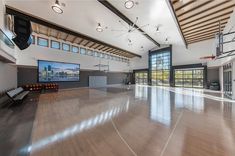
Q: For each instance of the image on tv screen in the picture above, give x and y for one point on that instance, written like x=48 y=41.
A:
x=49 y=71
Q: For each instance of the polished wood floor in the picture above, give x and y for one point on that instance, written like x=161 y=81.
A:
x=133 y=121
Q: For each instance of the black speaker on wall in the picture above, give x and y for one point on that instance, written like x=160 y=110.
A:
x=23 y=31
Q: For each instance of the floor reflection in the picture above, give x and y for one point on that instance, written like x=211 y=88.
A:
x=160 y=106
x=141 y=92
x=80 y=127
x=189 y=101
x=151 y=120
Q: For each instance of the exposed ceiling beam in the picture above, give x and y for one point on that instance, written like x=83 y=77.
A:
x=126 y=19
x=17 y=12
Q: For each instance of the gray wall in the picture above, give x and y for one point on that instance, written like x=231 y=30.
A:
x=213 y=74
x=8 y=76
x=28 y=75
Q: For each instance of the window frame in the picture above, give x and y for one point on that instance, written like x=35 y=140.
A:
x=66 y=44
x=38 y=39
x=54 y=47
x=73 y=46
x=81 y=48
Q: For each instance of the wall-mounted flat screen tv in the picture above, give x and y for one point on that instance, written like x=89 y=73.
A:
x=50 y=71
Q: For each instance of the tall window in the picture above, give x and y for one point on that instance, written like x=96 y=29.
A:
x=191 y=78
x=160 y=67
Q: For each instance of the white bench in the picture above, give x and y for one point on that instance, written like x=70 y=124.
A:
x=17 y=95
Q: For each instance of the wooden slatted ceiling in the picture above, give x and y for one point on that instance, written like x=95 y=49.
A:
x=40 y=29
x=199 y=19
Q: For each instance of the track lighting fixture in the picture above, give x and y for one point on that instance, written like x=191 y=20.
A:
x=99 y=28
x=157 y=30
x=166 y=40
x=57 y=7
x=129 y=4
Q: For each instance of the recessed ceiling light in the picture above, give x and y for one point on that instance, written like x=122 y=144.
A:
x=99 y=28
x=129 y=4
x=57 y=8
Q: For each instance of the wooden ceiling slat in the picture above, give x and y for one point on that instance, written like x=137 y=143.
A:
x=204 y=31
x=206 y=10
x=195 y=8
x=80 y=42
x=92 y=45
x=205 y=20
x=58 y=35
x=101 y=49
x=105 y=48
x=203 y=34
x=200 y=20
x=111 y=50
x=196 y=26
x=74 y=39
x=66 y=38
x=49 y=32
x=204 y=28
x=202 y=39
x=199 y=37
x=102 y=46
x=86 y=43
x=108 y=50
x=175 y=1
x=98 y=47
x=185 y=4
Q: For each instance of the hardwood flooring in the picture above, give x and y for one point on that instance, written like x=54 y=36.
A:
x=133 y=121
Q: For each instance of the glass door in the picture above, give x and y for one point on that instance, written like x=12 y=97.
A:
x=141 y=77
x=189 y=78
